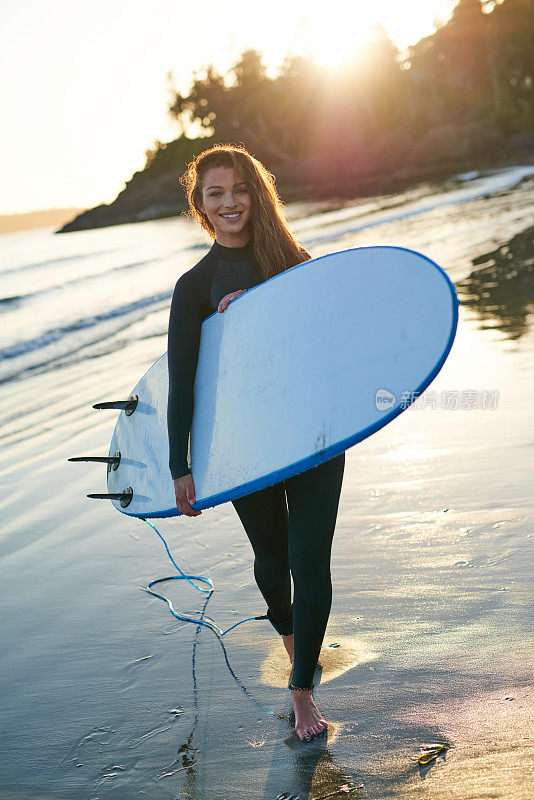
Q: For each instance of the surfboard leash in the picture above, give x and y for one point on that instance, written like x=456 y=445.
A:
x=209 y=623
x=189 y=578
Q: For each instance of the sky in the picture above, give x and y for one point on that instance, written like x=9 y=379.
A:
x=84 y=85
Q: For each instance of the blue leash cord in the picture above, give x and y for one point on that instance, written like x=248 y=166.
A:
x=208 y=624
x=189 y=578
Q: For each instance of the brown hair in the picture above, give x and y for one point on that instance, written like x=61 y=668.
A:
x=274 y=246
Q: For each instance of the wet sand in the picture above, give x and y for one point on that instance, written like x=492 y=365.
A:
x=105 y=695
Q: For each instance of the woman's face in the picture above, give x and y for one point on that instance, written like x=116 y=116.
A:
x=227 y=204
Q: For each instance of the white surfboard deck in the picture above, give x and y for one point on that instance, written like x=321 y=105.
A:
x=296 y=370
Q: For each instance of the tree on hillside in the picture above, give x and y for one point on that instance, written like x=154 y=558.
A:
x=478 y=66
x=451 y=69
x=206 y=94
x=511 y=34
x=235 y=107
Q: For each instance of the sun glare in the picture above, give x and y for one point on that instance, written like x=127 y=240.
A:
x=334 y=45
x=336 y=36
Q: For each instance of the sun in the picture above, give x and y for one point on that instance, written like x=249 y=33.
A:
x=336 y=33
x=334 y=45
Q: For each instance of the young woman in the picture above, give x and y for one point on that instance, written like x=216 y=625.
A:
x=290 y=525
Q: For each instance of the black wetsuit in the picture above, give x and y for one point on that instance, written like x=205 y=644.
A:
x=290 y=525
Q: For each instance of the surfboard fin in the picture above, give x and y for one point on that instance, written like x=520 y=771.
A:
x=128 y=406
x=124 y=497
x=112 y=461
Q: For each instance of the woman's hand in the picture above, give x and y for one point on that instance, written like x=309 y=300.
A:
x=223 y=305
x=184 y=489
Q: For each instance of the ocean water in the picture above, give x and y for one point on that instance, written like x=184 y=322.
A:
x=105 y=694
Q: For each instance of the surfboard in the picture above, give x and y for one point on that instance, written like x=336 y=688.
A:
x=296 y=370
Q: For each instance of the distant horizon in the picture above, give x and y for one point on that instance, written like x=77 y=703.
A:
x=37 y=218
x=43 y=210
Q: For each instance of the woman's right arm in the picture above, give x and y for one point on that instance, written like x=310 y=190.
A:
x=185 y=321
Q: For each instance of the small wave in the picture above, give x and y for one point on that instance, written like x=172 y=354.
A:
x=52 y=261
x=98 y=276
x=5 y=302
x=474 y=189
x=22 y=348
x=96 y=254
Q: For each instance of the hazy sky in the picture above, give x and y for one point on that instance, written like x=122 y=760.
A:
x=83 y=84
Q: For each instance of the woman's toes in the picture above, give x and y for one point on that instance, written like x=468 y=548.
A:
x=305 y=733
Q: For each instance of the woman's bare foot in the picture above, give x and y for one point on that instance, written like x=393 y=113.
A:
x=309 y=721
x=289 y=644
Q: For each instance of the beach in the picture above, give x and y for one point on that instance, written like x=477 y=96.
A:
x=430 y=637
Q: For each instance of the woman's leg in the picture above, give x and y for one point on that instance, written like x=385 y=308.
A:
x=265 y=520
x=313 y=500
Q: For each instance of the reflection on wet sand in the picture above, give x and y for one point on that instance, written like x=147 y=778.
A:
x=501 y=289
x=317 y=775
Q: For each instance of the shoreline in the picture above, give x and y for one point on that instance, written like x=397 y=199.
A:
x=145 y=199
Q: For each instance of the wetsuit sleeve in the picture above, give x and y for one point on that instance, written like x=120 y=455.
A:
x=185 y=321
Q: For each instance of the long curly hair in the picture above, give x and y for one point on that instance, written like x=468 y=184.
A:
x=274 y=246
